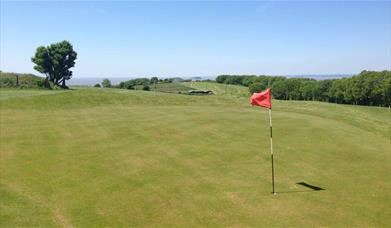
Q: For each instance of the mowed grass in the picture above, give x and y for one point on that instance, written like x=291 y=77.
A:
x=7 y=93
x=110 y=157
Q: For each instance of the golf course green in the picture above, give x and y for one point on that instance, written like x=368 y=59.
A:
x=91 y=157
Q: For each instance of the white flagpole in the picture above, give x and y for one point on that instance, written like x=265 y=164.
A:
x=271 y=148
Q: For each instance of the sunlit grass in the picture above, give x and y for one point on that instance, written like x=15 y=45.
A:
x=111 y=157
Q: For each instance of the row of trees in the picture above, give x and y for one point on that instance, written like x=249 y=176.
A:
x=366 y=88
x=247 y=80
x=146 y=82
x=137 y=83
x=131 y=84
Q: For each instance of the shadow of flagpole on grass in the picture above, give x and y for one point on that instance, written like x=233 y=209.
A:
x=313 y=188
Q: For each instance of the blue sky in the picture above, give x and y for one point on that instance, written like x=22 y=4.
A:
x=182 y=38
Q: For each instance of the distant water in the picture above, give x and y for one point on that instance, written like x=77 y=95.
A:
x=92 y=81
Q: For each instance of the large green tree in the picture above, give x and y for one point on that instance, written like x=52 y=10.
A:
x=55 y=62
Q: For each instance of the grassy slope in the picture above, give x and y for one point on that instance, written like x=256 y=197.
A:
x=25 y=80
x=167 y=87
x=107 y=157
x=220 y=89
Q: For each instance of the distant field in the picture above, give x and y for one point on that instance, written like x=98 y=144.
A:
x=220 y=89
x=114 y=157
x=168 y=87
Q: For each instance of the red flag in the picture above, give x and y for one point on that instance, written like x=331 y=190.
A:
x=261 y=99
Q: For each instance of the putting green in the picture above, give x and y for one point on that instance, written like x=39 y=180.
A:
x=110 y=157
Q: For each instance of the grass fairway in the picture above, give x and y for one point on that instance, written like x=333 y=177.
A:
x=110 y=157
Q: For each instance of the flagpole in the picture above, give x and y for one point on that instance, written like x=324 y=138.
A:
x=263 y=99
x=271 y=148
x=271 y=140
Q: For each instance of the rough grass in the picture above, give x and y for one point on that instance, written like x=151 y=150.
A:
x=168 y=87
x=110 y=157
x=220 y=89
x=8 y=80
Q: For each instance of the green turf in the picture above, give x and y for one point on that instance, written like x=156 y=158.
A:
x=111 y=157
x=7 y=93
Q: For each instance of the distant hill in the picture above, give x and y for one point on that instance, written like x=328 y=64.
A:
x=11 y=80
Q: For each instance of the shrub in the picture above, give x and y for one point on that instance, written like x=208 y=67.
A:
x=43 y=83
x=106 y=83
x=9 y=79
x=97 y=85
x=7 y=82
x=256 y=87
x=146 y=88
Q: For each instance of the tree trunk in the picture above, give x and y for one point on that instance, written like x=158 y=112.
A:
x=47 y=84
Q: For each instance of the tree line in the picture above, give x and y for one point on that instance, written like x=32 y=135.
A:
x=139 y=83
x=366 y=88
